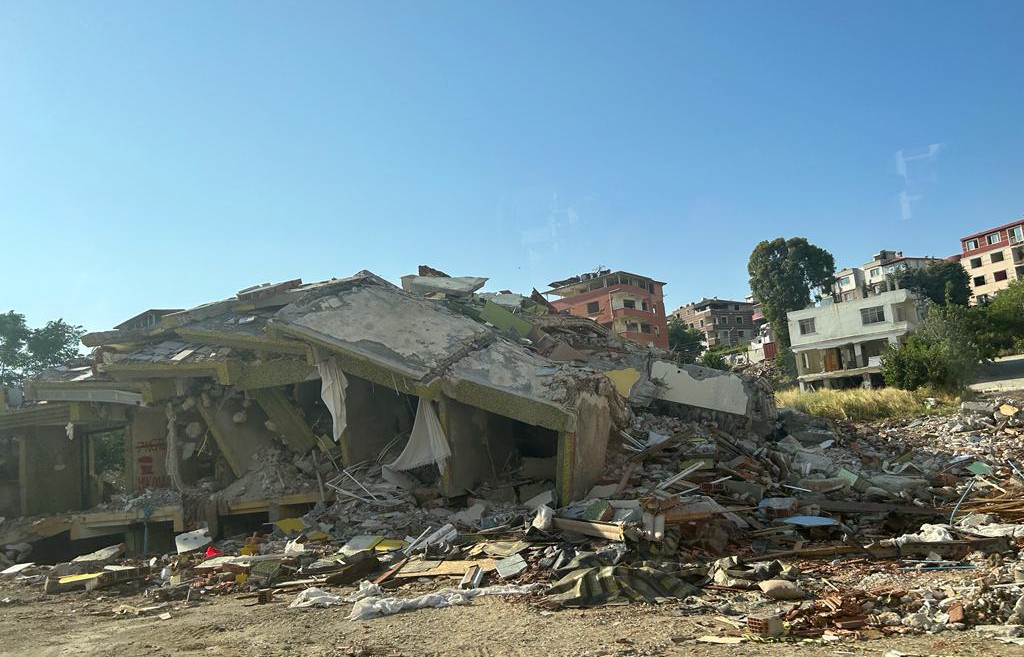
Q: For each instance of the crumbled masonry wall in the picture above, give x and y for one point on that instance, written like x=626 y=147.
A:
x=481 y=444
x=237 y=442
x=146 y=449
x=51 y=471
x=737 y=403
x=701 y=386
x=589 y=446
x=374 y=414
x=286 y=417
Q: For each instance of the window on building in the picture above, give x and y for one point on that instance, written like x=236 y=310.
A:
x=872 y=315
x=970 y=245
x=724 y=319
x=739 y=319
x=982 y=299
x=992 y=238
x=806 y=326
x=633 y=328
x=848 y=296
x=844 y=281
x=741 y=333
x=593 y=307
x=975 y=263
x=628 y=303
x=702 y=323
x=997 y=256
x=645 y=328
x=1016 y=234
x=875 y=273
x=644 y=306
x=999 y=276
x=979 y=281
x=735 y=306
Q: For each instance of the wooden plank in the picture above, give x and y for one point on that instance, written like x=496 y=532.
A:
x=607 y=530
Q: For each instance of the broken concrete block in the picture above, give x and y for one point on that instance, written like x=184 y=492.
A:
x=808 y=462
x=977 y=408
x=896 y=484
x=823 y=485
x=469 y=517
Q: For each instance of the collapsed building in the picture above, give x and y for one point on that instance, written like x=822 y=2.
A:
x=263 y=405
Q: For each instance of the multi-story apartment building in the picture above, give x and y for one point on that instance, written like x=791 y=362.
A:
x=723 y=322
x=839 y=345
x=993 y=259
x=876 y=275
x=630 y=305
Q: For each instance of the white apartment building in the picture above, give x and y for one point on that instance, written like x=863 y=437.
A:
x=839 y=345
x=875 y=276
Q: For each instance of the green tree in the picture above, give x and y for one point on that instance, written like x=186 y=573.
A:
x=1005 y=315
x=939 y=282
x=782 y=275
x=25 y=351
x=13 y=335
x=944 y=351
x=685 y=341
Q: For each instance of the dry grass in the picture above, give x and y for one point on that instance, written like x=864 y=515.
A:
x=864 y=405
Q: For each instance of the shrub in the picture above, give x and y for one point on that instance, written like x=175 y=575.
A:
x=714 y=360
x=943 y=352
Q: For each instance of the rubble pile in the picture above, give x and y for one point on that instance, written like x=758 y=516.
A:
x=990 y=429
x=811 y=530
x=275 y=472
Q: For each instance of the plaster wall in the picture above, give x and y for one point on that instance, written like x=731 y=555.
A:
x=701 y=386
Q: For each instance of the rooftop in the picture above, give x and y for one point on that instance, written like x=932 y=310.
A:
x=982 y=233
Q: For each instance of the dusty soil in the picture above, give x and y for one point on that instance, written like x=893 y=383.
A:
x=84 y=624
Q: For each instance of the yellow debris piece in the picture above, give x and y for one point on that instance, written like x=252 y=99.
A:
x=290 y=525
x=67 y=579
x=623 y=380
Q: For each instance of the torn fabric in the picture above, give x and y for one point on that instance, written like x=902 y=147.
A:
x=374 y=604
x=427 y=442
x=332 y=391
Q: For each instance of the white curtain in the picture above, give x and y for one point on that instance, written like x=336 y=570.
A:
x=427 y=442
x=332 y=391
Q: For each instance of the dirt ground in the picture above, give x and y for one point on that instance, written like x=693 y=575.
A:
x=32 y=623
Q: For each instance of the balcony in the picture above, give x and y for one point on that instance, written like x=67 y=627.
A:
x=637 y=336
x=633 y=312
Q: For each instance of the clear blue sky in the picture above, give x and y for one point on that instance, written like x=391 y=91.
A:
x=157 y=154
